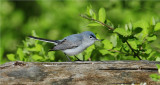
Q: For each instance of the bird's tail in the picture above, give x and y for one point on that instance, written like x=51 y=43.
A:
x=45 y=40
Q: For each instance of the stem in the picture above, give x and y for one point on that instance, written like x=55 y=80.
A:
x=135 y=54
x=110 y=28
x=103 y=24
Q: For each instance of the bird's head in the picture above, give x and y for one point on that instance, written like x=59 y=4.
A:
x=89 y=37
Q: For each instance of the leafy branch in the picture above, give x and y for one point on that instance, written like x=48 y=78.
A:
x=136 y=54
x=103 y=24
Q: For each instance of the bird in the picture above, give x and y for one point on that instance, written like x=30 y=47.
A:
x=72 y=44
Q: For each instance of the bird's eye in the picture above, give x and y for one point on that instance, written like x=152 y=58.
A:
x=90 y=37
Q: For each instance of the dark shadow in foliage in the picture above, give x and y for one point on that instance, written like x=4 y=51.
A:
x=137 y=30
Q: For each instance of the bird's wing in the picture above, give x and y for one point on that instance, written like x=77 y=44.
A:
x=69 y=43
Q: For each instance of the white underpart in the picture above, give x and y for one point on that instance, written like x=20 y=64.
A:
x=73 y=51
x=77 y=50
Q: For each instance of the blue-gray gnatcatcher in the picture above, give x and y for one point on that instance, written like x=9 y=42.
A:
x=73 y=44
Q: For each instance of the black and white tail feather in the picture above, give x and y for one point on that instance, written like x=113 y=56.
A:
x=45 y=40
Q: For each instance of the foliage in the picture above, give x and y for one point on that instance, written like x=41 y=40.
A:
x=56 y=19
x=133 y=40
x=32 y=51
x=156 y=77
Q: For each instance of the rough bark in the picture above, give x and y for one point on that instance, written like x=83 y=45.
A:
x=78 y=73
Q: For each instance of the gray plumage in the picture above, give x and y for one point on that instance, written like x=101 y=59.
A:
x=73 y=44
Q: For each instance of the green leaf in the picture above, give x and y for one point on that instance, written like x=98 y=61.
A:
x=144 y=25
x=11 y=57
x=98 y=37
x=37 y=57
x=102 y=14
x=140 y=37
x=151 y=38
x=152 y=22
x=158 y=58
x=90 y=48
x=88 y=9
x=88 y=51
x=122 y=32
x=34 y=33
x=158 y=66
x=37 y=48
x=151 y=55
x=157 y=27
x=98 y=43
x=107 y=44
x=90 y=12
x=130 y=26
x=148 y=51
x=104 y=51
x=20 y=54
x=107 y=52
x=155 y=77
x=51 y=55
x=94 y=24
x=133 y=44
x=119 y=43
x=126 y=27
x=80 y=56
x=114 y=39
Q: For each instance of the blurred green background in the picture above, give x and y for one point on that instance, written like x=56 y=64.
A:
x=55 y=19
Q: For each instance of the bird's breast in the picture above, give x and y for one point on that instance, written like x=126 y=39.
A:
x=74 y=51
x=77 y=50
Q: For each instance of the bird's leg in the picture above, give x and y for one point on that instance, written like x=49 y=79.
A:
x=68 y=58
x=78 y=58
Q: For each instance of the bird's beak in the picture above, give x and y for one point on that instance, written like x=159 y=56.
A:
x=98 y=40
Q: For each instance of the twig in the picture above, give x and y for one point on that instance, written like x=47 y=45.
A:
x=103 y=24
x=135 y=54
